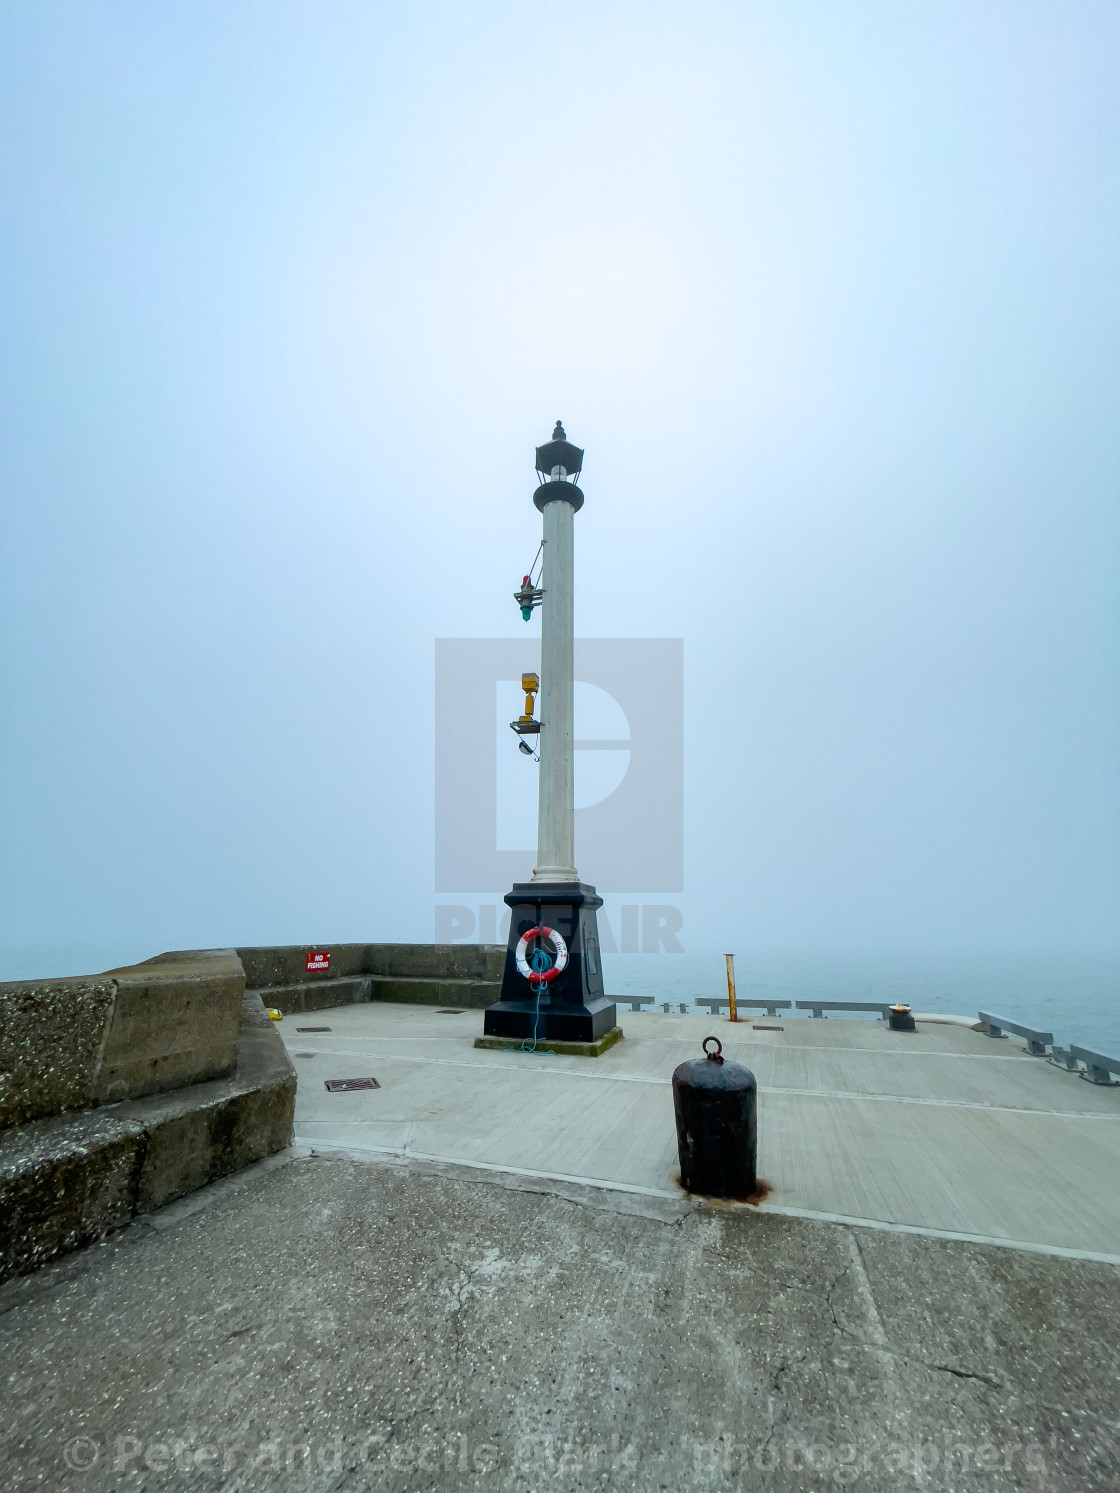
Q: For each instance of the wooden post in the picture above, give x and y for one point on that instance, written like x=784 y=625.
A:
x=731 y=1015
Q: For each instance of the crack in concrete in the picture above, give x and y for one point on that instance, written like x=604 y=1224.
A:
x=777 y=1416
x=944 y=1368
x=880 y=1344
x=832 y=1285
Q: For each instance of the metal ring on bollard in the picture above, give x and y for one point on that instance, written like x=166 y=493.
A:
x=717 y=1056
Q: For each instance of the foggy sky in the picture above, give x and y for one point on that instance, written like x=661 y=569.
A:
x=828 y=293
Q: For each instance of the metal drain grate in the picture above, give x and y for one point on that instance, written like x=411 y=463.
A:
x=345 y=1085
x=312 y=1028
x=447 y=1011
x=768 y=1028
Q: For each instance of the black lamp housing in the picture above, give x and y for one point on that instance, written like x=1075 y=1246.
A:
x=559 y=452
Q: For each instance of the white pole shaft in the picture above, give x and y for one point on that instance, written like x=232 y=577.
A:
x=556 y=814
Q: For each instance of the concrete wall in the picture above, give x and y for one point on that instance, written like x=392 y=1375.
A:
x=439 y=961
x=52 y=1033
x=120 y=1092
x=175 y=1022
x=287 y=964
x=73 y=1179
x=266 y=967
x=74 y=1044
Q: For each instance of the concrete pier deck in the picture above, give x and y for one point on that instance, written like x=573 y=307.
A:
x=944 y=1130
x=482 y=1275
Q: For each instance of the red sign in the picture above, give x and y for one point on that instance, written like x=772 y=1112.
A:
x=317 y=959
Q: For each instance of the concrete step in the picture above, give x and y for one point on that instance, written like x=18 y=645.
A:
x=320 y=995
x=411 y=989
x=67 y=1181
x=315 y=995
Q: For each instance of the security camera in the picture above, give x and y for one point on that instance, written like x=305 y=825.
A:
x=523 y=746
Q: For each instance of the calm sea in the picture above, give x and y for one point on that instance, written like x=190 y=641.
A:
x=1077 y=997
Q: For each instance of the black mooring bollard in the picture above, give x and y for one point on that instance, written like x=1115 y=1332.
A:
x=715 y=1103
x=900 y=1018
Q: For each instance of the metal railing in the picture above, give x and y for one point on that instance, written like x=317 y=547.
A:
x=718 y=1003
x=1097 y=1067
x=818 y=1008
x=1037 y=1042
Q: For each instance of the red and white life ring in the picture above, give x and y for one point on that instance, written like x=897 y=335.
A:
x=559 y=963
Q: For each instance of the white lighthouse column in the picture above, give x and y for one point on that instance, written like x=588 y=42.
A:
x=556 y=798
x=552 y=917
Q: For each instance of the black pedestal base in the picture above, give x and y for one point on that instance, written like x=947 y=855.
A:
x=552 y=1044
x=571 y=1008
